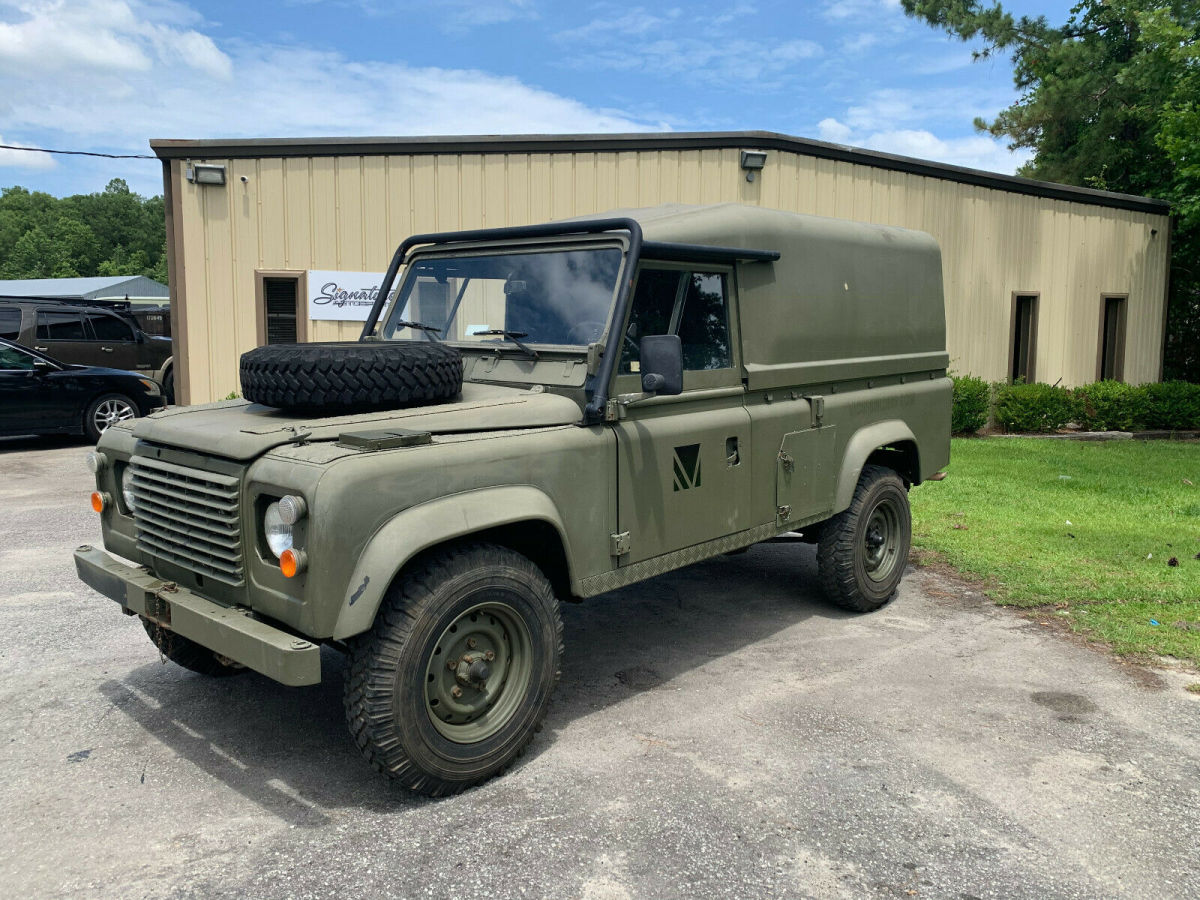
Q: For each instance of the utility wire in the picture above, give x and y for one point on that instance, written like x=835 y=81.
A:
x=78 y=152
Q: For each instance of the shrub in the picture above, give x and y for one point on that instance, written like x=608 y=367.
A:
x=969 y=411
x=1172 y=405
x=1112 y=406
x=1034 y=407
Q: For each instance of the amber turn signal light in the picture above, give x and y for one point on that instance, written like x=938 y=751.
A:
x=292 y=562
x=100 y=501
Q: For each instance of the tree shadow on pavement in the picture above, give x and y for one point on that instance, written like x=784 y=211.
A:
x=287 y=749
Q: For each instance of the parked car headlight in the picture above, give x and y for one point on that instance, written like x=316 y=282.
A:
x=277 y=532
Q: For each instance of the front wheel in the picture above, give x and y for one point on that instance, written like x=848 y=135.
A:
x=863 y=549
x=455 y=678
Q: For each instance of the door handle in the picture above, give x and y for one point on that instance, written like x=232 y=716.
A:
x=107 y=349
x=40 y=349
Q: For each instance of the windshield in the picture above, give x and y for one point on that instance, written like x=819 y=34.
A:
x=537 y=297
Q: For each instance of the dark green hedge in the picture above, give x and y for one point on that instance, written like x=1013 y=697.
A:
x=1103 y=406
x=1034 y=407
x=972 y=397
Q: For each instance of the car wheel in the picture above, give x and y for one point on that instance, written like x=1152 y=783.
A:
x=168 y=386
x=188 y=653
x=455 y=678
x=863 y=550
x=105 y=411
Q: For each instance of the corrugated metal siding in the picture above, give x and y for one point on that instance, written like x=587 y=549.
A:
x=350 y=212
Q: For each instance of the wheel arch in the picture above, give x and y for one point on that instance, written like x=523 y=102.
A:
x=891 y=444
x=520 y=517
x=167 y=366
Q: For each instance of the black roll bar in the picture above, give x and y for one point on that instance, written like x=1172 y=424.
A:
x=597 y=386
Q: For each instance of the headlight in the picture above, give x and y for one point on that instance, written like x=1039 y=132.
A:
x=127 y=493
x=96 y=461
x=278 y=532
x=152 y=387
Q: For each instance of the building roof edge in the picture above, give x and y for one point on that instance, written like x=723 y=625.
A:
x=168 y=149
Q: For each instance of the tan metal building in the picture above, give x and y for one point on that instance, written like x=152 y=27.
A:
x=1043 y=281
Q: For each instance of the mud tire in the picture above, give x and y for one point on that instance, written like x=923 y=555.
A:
x=391 y=669
x=188 y=653
x=853 y=575
x=351 y=375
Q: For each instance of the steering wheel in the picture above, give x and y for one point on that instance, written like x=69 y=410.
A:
x=585 y=332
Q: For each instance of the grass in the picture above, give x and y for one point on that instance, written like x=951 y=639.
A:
x=1086 y=530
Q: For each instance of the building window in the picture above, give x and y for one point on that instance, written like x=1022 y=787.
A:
x=279 y=309
x=1024 y=338
x=1112 y=339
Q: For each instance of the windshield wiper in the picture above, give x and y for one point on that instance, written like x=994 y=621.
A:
x=514 y=336
x=428 y=329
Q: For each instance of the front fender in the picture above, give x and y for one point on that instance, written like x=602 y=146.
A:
x=161 y=374
x=864 y=442
x=421 y=527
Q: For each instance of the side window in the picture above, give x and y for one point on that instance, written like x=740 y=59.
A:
x=10 y=323
x=11 y=358
x=704 y=323
x=60 y=326
x=690 y=304
x=109 y=328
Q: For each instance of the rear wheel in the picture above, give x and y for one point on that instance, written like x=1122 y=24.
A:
x=106 y=411
x=863 y=549
x=188 y=653
x=455 y=678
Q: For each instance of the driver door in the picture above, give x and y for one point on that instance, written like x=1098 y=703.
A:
x=683 y=462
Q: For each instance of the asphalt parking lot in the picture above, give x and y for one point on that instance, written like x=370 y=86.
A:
x=718 y=732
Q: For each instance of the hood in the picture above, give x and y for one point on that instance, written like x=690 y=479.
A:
x=241 y=430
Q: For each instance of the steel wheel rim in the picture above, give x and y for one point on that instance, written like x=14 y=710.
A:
x=881 y=542
x=477 y=713
x=110 y=412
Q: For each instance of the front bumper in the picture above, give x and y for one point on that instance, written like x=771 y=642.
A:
x=229 y=631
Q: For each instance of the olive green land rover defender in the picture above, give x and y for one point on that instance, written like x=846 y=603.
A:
x=532 y=414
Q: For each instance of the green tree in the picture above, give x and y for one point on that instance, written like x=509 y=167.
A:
x=113 y=232
x=1109 y=99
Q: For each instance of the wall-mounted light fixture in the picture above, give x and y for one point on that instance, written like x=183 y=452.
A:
x=752 y=161
x=201 y=173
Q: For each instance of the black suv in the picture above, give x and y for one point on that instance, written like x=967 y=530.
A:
x=88 y=336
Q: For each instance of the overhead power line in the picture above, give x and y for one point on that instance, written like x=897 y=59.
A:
x=79 y=152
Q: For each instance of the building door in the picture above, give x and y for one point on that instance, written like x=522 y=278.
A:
x=683 y=463
x=1112 y=340
x=1024 y=339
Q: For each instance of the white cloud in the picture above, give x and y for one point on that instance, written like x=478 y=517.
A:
x=103 y=35
x=856 y=44
x=865 y=10
x=974 y=152
x=23 y=159
x=170 y=80
x=669 y=44
x=833 y=131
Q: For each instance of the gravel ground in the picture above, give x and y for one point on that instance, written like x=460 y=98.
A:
x=718 y=732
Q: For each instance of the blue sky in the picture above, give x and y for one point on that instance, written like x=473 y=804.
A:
x=108 y=75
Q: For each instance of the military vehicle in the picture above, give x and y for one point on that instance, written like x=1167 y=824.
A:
x=534 y=414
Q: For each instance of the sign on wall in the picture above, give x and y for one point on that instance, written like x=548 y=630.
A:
x=342 y=296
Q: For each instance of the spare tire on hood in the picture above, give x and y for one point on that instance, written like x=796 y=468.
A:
x=351 y=375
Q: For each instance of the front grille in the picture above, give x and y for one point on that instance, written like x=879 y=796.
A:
x=188 y=517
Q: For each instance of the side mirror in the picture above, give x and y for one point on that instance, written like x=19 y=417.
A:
x=41 y=367
x=662 y=364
